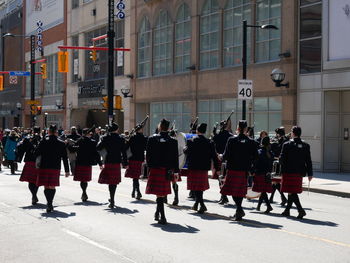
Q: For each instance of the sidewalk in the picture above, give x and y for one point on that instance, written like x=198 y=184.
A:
x=337 y=184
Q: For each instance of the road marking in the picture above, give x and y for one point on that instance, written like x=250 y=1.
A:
x=93 y=243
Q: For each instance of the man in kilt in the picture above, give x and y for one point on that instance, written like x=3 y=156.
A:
x=115 y=148
x=137 y=145
x=200 y=152
x=29 y=173
x=220 y=141
x=87 y=156
x=51 y=151
x=163 y=160
x=240 y=153
x=296 y=162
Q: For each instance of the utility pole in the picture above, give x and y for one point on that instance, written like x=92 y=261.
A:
x=110 y=82
x=32 y=76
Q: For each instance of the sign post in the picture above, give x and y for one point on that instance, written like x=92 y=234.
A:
x=32 y=75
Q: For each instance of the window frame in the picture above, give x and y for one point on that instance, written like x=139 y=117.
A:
x=148 y=47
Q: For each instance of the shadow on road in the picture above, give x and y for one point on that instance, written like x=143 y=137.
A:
x=121 y=210
x=142 y=202
x=176 y=228
x=256 y=224
x=209 y=216
x=90 y=203
x=314 y=222
x=58 y=214
x=37 y=206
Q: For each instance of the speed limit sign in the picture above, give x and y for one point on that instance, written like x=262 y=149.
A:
x=245 y=89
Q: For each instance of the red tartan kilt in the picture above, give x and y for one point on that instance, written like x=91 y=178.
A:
x=48 y=177
x=276 y=180
x=260 y=185
x=134 y=169
x=82 y=173
x=29 y=173
x=235 y=184
x=292 y=183
x=110 y=174
x=157 y=183
x=184 y=172
x=215 y=176
x=197 y=180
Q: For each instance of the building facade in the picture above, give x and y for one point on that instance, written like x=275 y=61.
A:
x=324 y=81
x=188 y=54
x=87 y=78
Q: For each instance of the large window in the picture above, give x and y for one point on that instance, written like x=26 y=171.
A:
x=235 y=12
x=54 y=81
x=310 y=36
x=268 y=42
x=210 y=35
x=162 y=45
x=183 y=39
x=179 y=113
x=119 y=43
x=144 y=49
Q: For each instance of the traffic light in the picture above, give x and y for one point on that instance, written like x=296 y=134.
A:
x=63 y=61
x=93 y=55
x=1 y=83
x=105 y=102
x=118 y=102
x=38 y=110
x=33 y=109
x=43 y=68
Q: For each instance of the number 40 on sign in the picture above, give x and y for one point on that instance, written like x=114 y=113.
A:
x=245 y=89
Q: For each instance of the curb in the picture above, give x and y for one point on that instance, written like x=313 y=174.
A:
x=328 y=192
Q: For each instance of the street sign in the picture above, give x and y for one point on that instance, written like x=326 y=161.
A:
x=245 y=89
x=20 y=73
x=13 y=80
x=33 y=102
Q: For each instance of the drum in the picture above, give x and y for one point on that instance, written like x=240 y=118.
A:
x=144 y=171
x=181 y=140
x=276 y=172
x=251 y=194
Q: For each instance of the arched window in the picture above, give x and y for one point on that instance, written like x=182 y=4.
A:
x=183 y=39
x=268 y=42
x=162 y=45
x=144 y=49
x=235 y=12
x=210 y=35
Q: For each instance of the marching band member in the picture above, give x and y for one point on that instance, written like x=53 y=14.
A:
x=51 y=151
x=296 y=163
x=163 y=160
x=200 y=151
x=87 y=155
x=29 y=173
x=240 y=153
x=137 y=144
x=263 y=168
x=115 y=147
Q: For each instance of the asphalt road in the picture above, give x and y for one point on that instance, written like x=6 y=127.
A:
x=77 y=232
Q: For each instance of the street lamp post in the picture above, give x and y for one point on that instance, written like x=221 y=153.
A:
x=111 y=35
x=244 y=56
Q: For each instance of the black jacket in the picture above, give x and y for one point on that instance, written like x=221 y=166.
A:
x=220 y=140
x=115 y=147
x=74 y=136
x=296 y=157
x=27 y=147
x=200 y=151
x=137 y=144
x=276 y=146
x=52 y=150
x=162 y=152
x=86 y=151
x=264 y=163
x=240 y=153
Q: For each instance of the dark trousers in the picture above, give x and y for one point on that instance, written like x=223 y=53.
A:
x=12 y=165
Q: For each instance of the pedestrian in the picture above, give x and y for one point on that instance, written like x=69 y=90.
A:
x=200 y=152
x=10 y=150
x=296 y=163
x=51 y=151
x=86 y=157
x=262 y=174
x=115 y=148
x=163 y=161
x=136 y=146
x=29 y=174
x=240 y=153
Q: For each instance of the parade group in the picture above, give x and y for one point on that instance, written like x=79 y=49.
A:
x=236 y=160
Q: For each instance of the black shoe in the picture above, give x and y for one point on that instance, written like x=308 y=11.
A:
x=286 y=213
x=165 y=200
x=139 y=195
x=34 y=200
x=176 y=201
x=302 y=213
x=237 y=217
x=223 y=200
x=156 y=216
x=133 y=194
x=258 y=208
x=162 y=221
x=84 y=197
x=49 y=209
x=195 y=207
x=202 y=209
x=268 y=210
x=111 y=204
